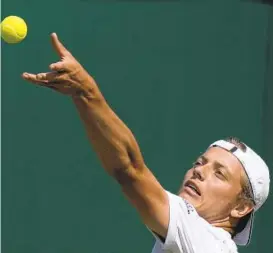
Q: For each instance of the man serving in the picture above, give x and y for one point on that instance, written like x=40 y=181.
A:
x=215 y=206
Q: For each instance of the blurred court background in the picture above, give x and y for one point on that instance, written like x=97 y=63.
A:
x=181 y=74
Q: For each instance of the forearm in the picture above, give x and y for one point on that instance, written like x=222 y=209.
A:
x=111 y=139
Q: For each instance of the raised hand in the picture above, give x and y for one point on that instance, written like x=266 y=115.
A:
x=66 y=76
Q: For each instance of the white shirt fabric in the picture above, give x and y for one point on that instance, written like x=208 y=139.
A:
x=189 y=233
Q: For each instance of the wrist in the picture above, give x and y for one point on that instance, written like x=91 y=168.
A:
x=88 y=91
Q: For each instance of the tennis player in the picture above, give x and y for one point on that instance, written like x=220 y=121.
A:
x=214 y=209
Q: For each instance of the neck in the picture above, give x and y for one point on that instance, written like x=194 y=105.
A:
x=224 y=224
x=226 y=227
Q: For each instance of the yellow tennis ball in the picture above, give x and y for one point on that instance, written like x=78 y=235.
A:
x=13 y=29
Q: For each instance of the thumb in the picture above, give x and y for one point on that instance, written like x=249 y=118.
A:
x=58 y=46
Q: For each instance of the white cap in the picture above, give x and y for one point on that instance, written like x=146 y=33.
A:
x=258 y=175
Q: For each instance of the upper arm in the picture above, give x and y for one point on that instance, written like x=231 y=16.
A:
x=148 y=197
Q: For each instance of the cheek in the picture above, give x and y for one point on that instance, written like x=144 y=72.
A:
x=220 y=198
x=220 y=190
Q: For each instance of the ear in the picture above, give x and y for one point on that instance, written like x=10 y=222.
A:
x=241 y=209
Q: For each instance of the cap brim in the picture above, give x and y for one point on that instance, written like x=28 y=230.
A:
x=243 y=238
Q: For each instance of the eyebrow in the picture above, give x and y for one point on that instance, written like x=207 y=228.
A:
x=203 y=158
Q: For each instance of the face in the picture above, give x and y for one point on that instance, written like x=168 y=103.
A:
x=213 y=184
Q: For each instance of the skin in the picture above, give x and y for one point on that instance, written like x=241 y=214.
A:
x=218 y=175
x=120 y=155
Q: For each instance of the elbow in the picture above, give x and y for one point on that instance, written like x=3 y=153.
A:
x=127 y=164
x=129 y=172
x=125 y=176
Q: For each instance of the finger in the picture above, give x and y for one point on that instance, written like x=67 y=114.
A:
x=42 y=78
x=43 y=83
x=53 y=86
x=49 y=76
x=58 y=66
x=33 y=78
x=58 y=46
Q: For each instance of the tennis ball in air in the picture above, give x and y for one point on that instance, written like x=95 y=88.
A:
x=13 y=29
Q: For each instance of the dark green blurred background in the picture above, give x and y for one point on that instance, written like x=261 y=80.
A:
x=181 y=74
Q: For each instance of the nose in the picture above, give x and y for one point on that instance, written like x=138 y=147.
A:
x=198 y=173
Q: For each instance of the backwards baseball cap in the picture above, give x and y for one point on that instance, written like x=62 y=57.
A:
x=259 y=178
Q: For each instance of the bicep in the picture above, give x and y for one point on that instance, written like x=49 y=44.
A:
x=146 y=194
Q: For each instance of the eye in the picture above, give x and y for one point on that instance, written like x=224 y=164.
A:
x=197 y=163
x=220 y=174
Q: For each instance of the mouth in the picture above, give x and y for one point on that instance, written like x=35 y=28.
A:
x=191 y=186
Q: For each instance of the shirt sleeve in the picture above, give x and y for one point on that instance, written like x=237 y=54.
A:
x=183 y=229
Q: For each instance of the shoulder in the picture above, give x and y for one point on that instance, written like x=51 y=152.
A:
x=191 y=233
x=220 y=240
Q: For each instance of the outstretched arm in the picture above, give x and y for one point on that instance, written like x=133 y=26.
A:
x=119 y=153
x=111 y=139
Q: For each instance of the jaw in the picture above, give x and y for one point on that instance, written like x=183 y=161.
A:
x=205 y=209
